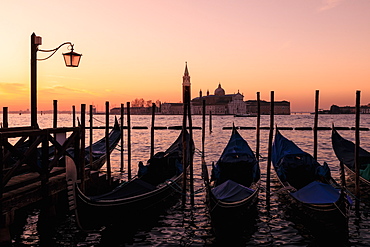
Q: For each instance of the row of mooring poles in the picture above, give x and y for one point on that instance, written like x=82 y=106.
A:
x=107 y=127
x=357 y=148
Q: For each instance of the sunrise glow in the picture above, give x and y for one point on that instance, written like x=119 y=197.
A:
x=138 y=49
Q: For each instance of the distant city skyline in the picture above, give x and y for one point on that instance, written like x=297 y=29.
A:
x=137 y=49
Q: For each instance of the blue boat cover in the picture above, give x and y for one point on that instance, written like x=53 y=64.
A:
x=230 y=191
x=317 y=193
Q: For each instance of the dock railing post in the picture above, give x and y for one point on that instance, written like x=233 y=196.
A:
x=74 y=116
x=55 y=113
x=5 y=118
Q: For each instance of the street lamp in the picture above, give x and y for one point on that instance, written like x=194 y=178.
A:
x=71 y=59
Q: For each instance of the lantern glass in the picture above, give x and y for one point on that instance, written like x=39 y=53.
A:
x=72 y=59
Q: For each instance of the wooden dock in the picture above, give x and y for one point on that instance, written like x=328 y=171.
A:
x=28 y=175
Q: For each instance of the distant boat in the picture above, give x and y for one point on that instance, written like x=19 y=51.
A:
x=245 y=115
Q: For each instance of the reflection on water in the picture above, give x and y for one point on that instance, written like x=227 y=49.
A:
x=281 y=225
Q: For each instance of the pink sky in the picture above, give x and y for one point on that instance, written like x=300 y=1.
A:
x=138 y=49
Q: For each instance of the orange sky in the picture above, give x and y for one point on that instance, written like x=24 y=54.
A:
x=138 y=49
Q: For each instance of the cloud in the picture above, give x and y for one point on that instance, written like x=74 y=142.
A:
x=13 y=88
x=62 y=90
x=329 y=4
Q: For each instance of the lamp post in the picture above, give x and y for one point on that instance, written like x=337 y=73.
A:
x=71 y=59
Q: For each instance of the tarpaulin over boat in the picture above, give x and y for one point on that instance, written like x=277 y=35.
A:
x=345 y=151
x=317 y=193
x=231 y=191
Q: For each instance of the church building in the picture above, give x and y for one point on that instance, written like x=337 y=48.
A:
x=220 y=103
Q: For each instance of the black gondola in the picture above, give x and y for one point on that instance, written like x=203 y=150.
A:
x=345 y=152
x=99 y=154
x=234 y=186
x=309 y=185
x=155 y=182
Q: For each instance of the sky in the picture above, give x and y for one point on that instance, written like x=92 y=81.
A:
x=138 y=49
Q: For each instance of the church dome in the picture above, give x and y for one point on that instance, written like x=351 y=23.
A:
x=219 y=91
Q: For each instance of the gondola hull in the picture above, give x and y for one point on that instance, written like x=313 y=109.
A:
x=92 y=215
x=155 y=186
x=345 y=152
x=233 y=194
x=306 y=184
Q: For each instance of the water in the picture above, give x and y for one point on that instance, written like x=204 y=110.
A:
x=191 y=227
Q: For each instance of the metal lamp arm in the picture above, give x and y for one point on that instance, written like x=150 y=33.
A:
x=54 y=50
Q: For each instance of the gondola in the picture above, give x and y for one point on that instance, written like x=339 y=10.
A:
x=99 y=154
x=233 y=190
x=310 y=185
x=345 y=152
x=155 y=183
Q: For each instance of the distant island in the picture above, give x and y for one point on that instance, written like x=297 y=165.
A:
x=334 y=109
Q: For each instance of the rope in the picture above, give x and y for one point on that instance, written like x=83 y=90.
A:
x=178 y=188
x=98 y=120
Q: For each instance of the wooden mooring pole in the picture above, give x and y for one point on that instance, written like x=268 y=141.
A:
x=203 y=127
x=91 y=136
x=55 y=113
x=107 y=153
x=316 y=124
x=5 y=117
x=74 y=116
x=210 y=121
x=258 y=126
x=82 y=149
x=272 y=105
x=184 y=158
x=128 y=141
x=191 y=170
x=357 y=149
x=122 y=141
x=152 y=132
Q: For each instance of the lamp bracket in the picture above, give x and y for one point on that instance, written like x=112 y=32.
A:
x=55 y=50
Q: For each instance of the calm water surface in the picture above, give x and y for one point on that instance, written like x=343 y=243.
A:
x=191 y=227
